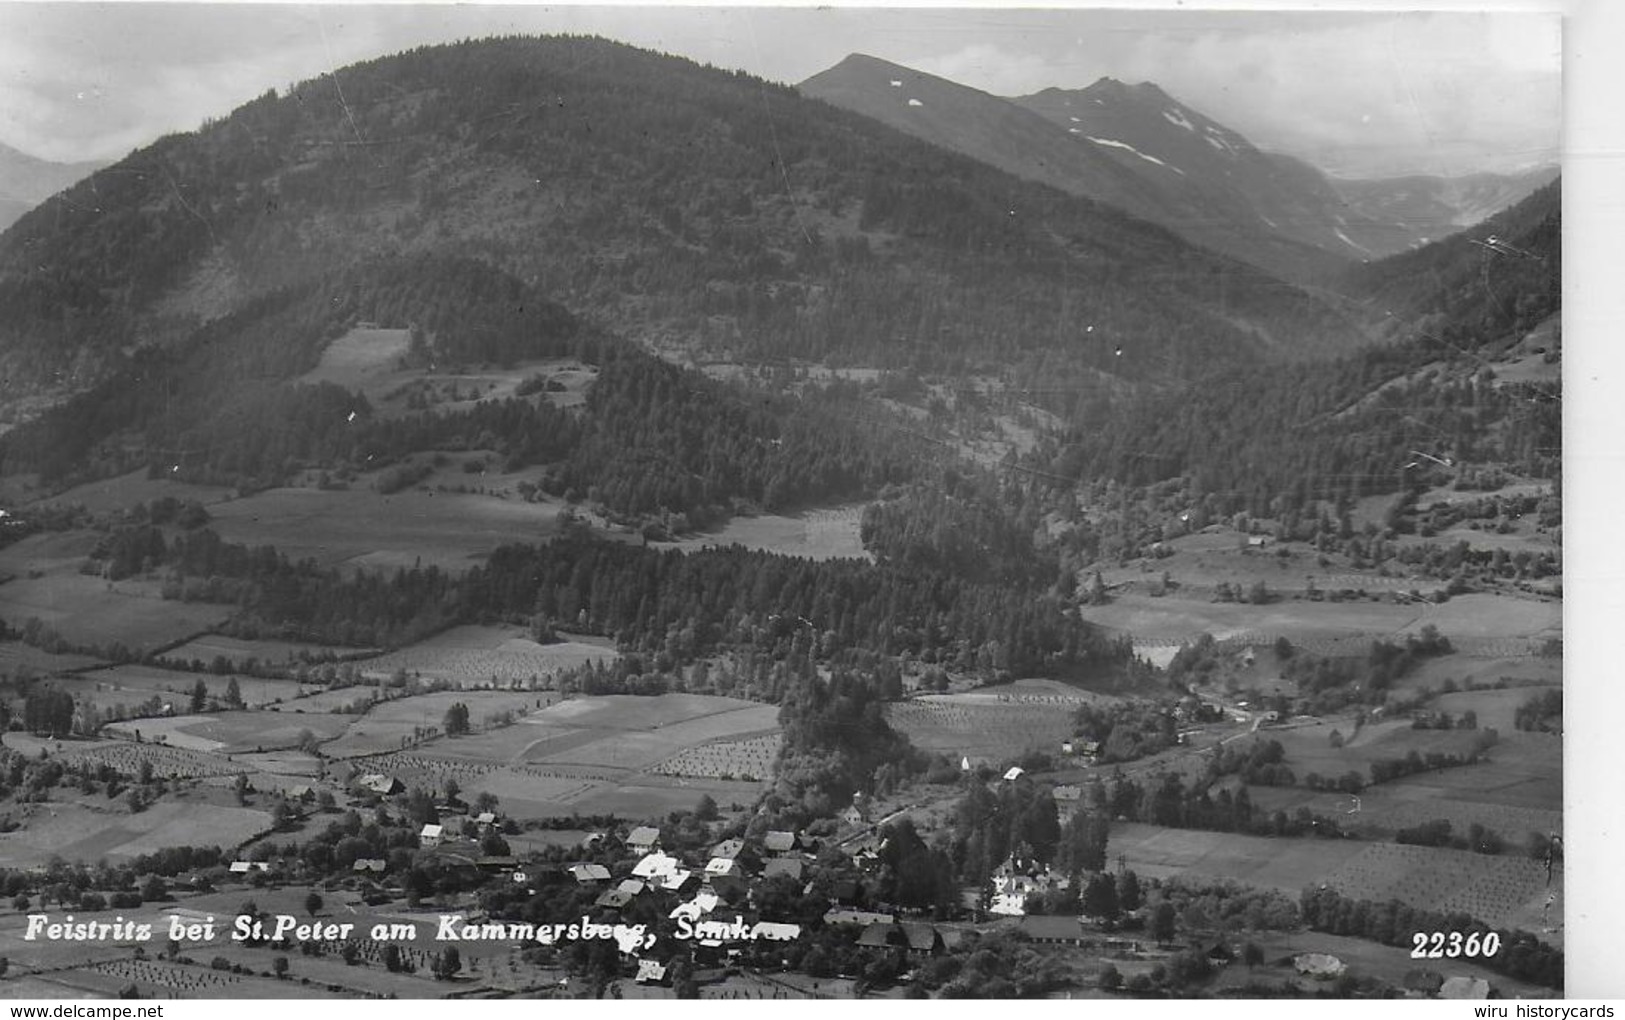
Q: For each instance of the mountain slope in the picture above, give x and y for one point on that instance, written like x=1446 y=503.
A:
x=26 y=181
x=1096 y=155
x=1406 y=212
x=696 y=210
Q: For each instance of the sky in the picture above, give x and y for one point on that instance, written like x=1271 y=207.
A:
x=1361 y=92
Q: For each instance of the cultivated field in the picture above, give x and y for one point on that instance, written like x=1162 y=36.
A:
x=390 y=725
x=732 y=759
x=16 y=657
x=1507 y=889
x=1284 y=864
x=480 y=655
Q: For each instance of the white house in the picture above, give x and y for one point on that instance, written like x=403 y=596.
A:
x=431 y=835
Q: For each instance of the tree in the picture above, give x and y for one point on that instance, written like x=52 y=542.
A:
x=1100 y=898
x=1128 y=891
x=313 y=903
x=447 y=964
x=392 y=958
x=1163 y=918
x=234 y=694
x=280 y=966
x=1111 y=978
x=200 y=696
x=239 y=786
x=154 y=889
x=1252 y=954
x=456 y=721
x=706 y=809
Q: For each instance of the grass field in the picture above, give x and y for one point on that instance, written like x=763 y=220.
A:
x=126 y=490
x=90 y=828
x=474 y=654
x=89 y=610
x=16 y=656
x=360 y=526
x=132 y=684
x=269 y=653
x=996 y=723
x=829 y=533
x=387 y=725
x=232 y=732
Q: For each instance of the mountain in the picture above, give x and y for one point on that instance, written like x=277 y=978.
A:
x=26 y=181
x=1406 y=212
x=701 y=212
x=1114 y=143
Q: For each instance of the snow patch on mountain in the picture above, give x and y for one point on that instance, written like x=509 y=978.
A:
x=1114 y=143
x=1178 y=119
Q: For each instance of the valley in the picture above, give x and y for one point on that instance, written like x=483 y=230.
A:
x=844 y=507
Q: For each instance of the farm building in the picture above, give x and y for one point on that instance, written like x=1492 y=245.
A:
x=852 y=815
x=244 y=867
x=374 y=864
x=384 y=786
x=918 y=938
x=631 y=886
x=431 y=835
x=783 y=866
x=656 y=865
x=675 y=881
x=1318 y=965
x=586 y=874
x=847 y=915
x=300 y=793
x=779 y=841
x=651 y=972
x=1052 y=930
x=776 y=932
x=644 y=837
x=703 y=903
x=729 y=848
x=1068 y=794
x=1014 y=773
x=485 y=818
x=613 y=899
x=497 y=862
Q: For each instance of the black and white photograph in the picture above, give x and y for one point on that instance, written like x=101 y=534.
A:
x=788 y=503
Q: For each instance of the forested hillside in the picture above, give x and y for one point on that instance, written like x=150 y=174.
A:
x=685 y=206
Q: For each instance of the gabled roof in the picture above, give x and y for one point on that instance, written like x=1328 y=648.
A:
x=1068 y=792
x=370 y=864
x=486 y=818
x=432 y=831
x=728 y=848
x=779 y=841
x=655 y=865
x=631 y=885
x=775 y=931
x=921 y=936
x=1013 y=773
x=379 y=783
x=1049 y=929
x=847 y=915
x=585 y=873
x=650 y=970
x=643 y=835
x=614 y=899
x=723 y=866
x=676 y=880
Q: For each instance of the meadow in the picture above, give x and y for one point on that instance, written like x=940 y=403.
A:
x=475 y=654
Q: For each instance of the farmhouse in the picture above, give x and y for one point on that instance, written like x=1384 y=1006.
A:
x=244 y=867
x=778 y=841
x=918 y=938
x=384 y=786
x=728 y=848
x=587 y=874
x=431 y=835
x=1318 y=965
x=376 y=864
x=631 y=886
x=1014 y=773
x=614 y=899
x=651 y=972
x=656 y=865
x=776 y=932
x=851 y=815
x=847 y=915
x=644 y=837
x=300 y=793
x=485 y=819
